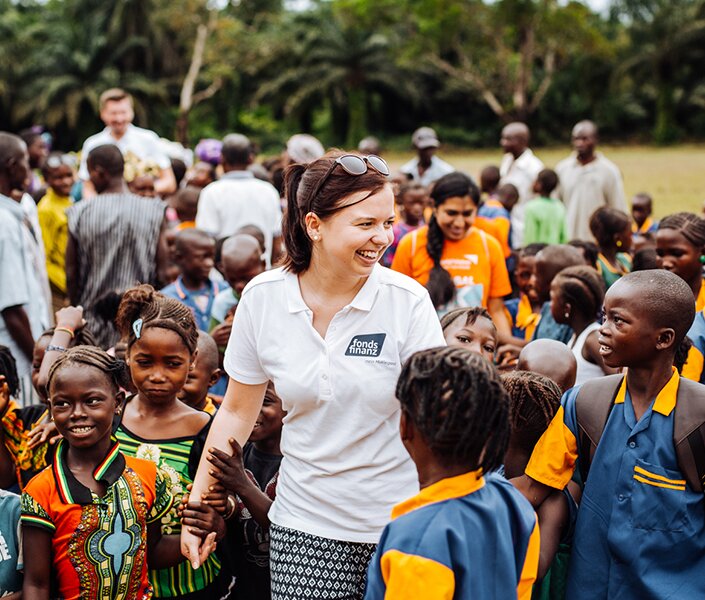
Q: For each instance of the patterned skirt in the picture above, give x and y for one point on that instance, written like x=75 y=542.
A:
x=308 y=567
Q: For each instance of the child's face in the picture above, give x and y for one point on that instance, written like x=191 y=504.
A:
x=199 y=379
x=558 y=304
x=159 y=364
x=627 y=336
x=143 y=185
x=238 y=275
x=201 y=175
x=60 y=179
x=413 y=204
x=641 y=210
x=455 y=217
x=269 y=421
x=197 y=260
x=541 y=280
x=83 y=403
x=40 y=348
x=523 y=272
x=678 y=255
x=479 y=337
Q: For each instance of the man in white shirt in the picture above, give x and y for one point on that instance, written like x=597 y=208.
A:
x=116 y=111
x=520 y=167
x=587 y=181
x=23 y=308
x=238 y=199
x=426 y=168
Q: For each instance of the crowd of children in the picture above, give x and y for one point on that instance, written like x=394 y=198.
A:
x=558 y=438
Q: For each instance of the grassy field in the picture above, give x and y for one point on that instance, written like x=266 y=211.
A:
x=674 y=176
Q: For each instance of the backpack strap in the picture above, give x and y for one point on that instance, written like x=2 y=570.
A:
x=593 y=406
x=689 y=432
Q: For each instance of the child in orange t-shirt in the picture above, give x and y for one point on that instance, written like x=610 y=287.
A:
x=458 y=263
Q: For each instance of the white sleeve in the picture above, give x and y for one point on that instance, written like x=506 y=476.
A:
x=241 y=360
x=424 y=329
x=156 y=152
x=83 y=168
x=207 y=215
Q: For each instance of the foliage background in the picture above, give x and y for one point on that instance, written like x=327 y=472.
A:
x=342 y=69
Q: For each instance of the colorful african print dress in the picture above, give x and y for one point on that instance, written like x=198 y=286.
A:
x=99 y=545
x=178 y=459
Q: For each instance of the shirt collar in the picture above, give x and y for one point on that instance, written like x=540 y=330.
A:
x=183 y=293
x=239 y=174
x=72 y=491
x=445 y=489
x=363 y=300
x=665 y=400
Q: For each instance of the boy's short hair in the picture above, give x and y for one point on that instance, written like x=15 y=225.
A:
x=530 y=250
x=412 y=186
x=114 y=95
x=456 y=401
x=207 y=352
x=185 y=237
x=547 y=180
x=665 y=298
x=645 y=259
x=109 y=157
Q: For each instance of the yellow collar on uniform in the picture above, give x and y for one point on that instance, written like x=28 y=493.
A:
x=645 y=226
x=665 y=401
x=700 y=300
x=445 y=489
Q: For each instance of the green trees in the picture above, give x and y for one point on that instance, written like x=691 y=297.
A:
x=346 y=68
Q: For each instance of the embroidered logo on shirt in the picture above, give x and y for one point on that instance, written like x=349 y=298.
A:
x=366 y=345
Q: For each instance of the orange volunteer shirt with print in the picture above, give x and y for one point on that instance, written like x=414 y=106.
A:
x=476 y=264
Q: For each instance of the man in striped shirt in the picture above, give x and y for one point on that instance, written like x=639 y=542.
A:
x=116 y=240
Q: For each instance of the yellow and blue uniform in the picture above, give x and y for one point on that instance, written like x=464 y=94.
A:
x=522 y=317
x=648 y=226
x=640 y=531
x=467 y=536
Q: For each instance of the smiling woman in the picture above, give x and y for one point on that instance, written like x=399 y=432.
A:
x=331 y=330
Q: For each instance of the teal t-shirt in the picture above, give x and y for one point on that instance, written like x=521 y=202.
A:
x=10 y=547
x=544 y=222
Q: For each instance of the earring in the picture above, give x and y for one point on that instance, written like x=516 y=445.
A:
x=315 y=237
x=702 y=259
x=619 y=243
x=567 y=314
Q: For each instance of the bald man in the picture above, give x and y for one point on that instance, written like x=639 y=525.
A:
x=587 y=181
x=239 y=199
x=519 y=167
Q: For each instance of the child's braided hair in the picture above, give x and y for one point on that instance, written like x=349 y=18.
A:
x=583 y=287
x=471 y=315
x=457 y=402
x=440 y=284
x=155 y=310
x=92 y=356
x=8 y=368
x=533 y=401
x=689 y=225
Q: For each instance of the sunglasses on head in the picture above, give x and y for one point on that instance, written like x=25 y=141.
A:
x=54 y=162
x=353 y=164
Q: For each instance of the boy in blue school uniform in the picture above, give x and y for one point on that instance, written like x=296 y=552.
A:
x=466 y=534
x=194 y=254
x=640 y=531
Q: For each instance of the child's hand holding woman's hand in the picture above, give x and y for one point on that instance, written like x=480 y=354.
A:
x=202 y=519
x=229 y=471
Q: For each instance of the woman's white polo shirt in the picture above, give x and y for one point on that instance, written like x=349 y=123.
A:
x=344 y=465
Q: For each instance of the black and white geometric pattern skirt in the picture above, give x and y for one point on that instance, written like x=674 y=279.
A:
x=308 y=567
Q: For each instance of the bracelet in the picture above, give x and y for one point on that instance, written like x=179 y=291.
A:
x=66 y=330
x=52 y=347
x=231 y=508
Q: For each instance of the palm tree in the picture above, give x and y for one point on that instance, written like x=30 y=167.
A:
x=667 y=37
x=336 y=64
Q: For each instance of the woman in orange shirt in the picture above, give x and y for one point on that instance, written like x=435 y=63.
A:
x=459 y=264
